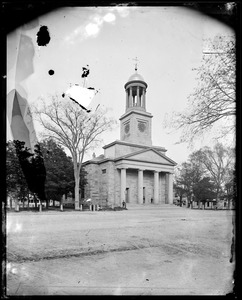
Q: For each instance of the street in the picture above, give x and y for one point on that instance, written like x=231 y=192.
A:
x=152 y=250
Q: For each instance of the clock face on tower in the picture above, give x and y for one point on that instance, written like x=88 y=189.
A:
x=126 y=128
x=141 y=126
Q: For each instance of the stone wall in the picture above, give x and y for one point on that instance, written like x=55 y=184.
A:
x=102 y=185
x=92 y=186
x=124 y=150
x=110 y=182
x=110 y=151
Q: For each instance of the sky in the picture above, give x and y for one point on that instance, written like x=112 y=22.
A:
x=167 y=41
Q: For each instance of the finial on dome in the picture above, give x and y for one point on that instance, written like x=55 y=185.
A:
x=136 y=63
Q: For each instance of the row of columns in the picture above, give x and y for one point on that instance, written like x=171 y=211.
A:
x=169 y=183
x=140 y=97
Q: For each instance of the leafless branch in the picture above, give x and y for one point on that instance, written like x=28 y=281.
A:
x=214 y=97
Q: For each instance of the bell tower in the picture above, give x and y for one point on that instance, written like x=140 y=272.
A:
x=135 y=123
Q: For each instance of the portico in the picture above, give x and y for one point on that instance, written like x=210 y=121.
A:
x=140 y=186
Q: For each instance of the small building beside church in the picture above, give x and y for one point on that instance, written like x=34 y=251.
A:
x=131 y=169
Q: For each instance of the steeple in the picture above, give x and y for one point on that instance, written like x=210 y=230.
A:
x=135 y=124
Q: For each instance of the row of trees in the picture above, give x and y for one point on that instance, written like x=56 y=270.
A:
x=48 y=173
x=208 y=174
x=25 y=180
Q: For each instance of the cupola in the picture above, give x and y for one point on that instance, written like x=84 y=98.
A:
x=135 y=92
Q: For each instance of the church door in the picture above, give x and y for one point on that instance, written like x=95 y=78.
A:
x=127 y=195
x=143 y=194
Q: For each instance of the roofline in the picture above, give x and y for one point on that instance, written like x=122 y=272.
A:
x=97 y=162
x=135 y=145
x=123 y=158
x=145 y=161
x=127 y=157
x=141 y=151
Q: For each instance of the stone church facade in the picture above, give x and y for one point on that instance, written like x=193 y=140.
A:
x=131 y=169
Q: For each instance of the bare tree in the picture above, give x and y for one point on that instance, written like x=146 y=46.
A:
x=73 y=128
x=214 y=96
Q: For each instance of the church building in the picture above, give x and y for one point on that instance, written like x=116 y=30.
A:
x=131 y=170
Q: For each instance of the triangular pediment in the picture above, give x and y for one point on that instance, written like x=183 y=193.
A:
x=150 y=155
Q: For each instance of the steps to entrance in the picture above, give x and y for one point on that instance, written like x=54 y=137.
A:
x=149 y=206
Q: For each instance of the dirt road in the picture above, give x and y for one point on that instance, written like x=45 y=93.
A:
x=157 y=250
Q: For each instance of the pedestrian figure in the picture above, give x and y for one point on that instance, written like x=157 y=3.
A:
x=124 y=204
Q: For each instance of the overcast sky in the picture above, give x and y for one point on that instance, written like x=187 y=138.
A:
x=168 y=42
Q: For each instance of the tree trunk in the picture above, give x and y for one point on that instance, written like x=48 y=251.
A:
x=35 y=201
x=40 y=205
x=61 y=202
x=16 y=205
x=229 y=204
x=191 y=204
x=77 y=182
x=217 y=197
x=47 y=204
x=203 y=205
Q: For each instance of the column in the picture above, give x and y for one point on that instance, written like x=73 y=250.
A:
x=170 y=188
x=123 y=186
x=156 y=187
x=141 y=97
x=130 y=98
x=138 y=96
x=127 y=99
x=144 y=92
x=140 y=186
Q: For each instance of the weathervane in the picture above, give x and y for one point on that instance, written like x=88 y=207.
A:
x=136 y=63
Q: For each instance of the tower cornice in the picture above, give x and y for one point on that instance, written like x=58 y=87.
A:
x=135 y=82
x=136 y=111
